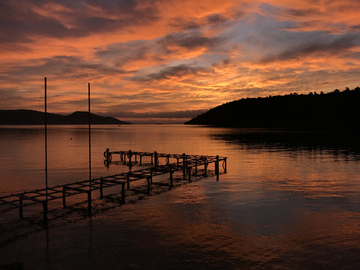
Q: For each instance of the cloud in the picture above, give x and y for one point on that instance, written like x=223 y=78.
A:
x=187 y=40
x=25 y=21
x=64 y=67
x=335 y=46
x=169 y=72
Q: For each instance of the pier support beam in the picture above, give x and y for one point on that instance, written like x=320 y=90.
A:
x=217 y=168
x=89 y=202
x=171 y=177
x=148 y=185
x=64 y=197
x=196 y=164
x=123 y=193
x=108 y=155
x=101 y=188
x=184 y=164
x=20 y=207
x=205 y=167
x=156 y=159
x=45 y=212
x=130 y=154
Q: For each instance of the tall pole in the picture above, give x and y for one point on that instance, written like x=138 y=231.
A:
x=89 y=138
x=46 y=172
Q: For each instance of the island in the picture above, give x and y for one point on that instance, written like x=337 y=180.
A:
x=31 y=117
x=336 y=110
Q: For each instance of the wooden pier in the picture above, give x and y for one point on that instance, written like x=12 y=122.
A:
x=161 y=164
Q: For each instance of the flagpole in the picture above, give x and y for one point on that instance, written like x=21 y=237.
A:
x=89 y=139
x=46 y=169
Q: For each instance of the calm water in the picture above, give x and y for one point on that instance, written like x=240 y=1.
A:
x=288 y=201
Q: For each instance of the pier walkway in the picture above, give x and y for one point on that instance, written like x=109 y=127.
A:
x=189 y=165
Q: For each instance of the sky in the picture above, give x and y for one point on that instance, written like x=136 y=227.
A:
x=153 y=61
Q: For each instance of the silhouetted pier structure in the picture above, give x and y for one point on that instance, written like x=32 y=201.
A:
x=189 y=165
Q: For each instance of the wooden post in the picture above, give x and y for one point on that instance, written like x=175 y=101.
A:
x=225 y=169
x=217 y=168
x=152 y=157
x=129 y=156
x=171 y=177
x=205 y=167
x=156 y=160
x=101 y=188
x=107 y=155
x=45 y=211
x=177 y=162
x=21 y=208
x=121 y=156
x=189 y=173
x=184 y=164
x=123 y=193
x=151 y=175
x=140 y=160
x=128 y=182
x=89 y=202
x=196 y=161
x=64 y=196
x=148 y=185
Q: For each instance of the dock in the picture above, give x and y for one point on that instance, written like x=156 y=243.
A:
x=160 y=164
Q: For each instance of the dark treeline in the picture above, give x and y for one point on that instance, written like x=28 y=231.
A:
x=30 y=117
x=337 y=110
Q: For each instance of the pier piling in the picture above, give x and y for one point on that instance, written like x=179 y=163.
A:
x=171 y=177
x=123 y=193
x=89 y=202
x=20 y=207
x=101 y=188
x=63 y=197
x=45 y=212
x=184 y=164
x=148 y=185
x=217 y=168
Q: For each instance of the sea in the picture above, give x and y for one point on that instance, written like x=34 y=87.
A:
x=289 y=200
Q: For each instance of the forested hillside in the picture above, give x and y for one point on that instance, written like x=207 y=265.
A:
x=337 y=110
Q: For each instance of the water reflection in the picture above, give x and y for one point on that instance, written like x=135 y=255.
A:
x=290 y=200
x=345 y=144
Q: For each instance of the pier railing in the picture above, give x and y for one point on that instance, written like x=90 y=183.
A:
x=189 y=165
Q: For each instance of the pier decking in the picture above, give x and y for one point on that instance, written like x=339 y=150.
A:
x=189 y=165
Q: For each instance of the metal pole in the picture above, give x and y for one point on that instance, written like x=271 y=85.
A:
x=89 y=138
x=89 y=195
x=46 y=170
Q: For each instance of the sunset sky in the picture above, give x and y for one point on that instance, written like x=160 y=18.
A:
x=168 y=61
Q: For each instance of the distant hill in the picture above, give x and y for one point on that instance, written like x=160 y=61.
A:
x=29 y=117
x=337 y=110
